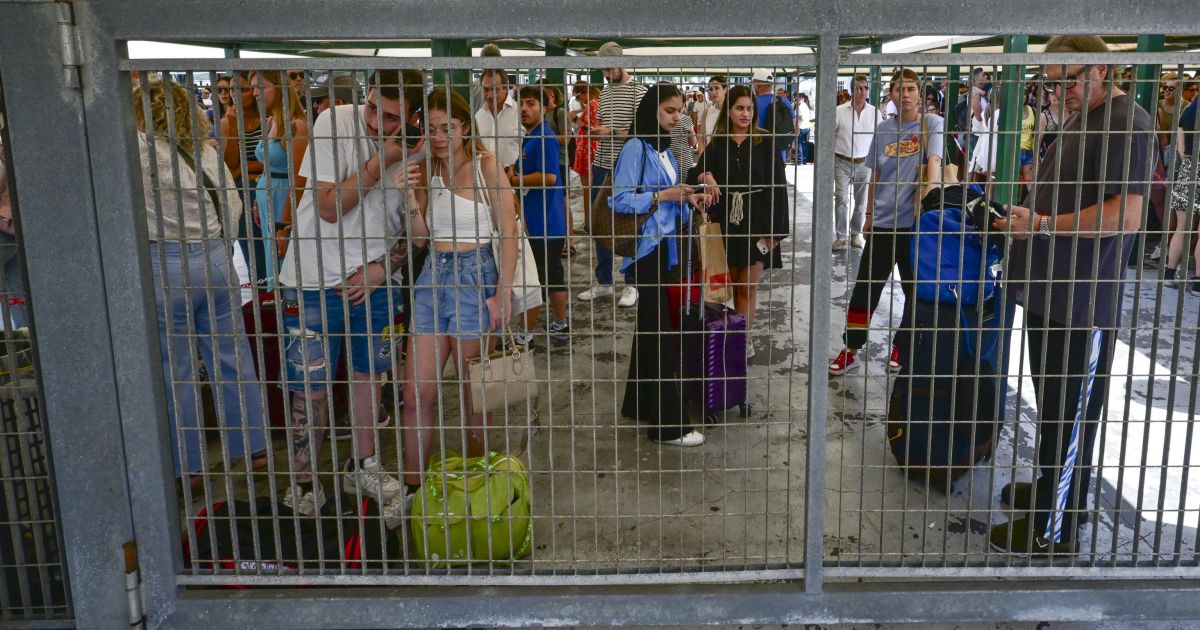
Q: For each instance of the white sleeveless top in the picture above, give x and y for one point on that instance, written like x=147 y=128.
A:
x=456 y=218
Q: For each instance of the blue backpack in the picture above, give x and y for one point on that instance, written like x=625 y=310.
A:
x=953 y=262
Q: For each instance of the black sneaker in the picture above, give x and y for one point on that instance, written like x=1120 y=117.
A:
x=1194 y=286
x=1014 y=537
x=1019 y=496
x=560 y=331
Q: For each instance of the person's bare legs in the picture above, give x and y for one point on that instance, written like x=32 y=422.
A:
x=308 y=419
x=427 y=355
x=476 y=423
x=745 y=291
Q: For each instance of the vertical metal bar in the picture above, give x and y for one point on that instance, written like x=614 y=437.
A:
x=126 y=278
x=821 y=278
x=75 y=351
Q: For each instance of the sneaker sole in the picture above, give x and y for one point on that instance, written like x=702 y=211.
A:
x=852 y=366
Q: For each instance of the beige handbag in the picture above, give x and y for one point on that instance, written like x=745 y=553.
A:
x=504 y=379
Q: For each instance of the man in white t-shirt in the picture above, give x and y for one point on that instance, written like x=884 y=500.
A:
x=856 y=122
x=346 y=243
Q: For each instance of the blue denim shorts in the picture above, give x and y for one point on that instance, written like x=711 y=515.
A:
x=314 y=341
x=1026 y=158
x=449 y=296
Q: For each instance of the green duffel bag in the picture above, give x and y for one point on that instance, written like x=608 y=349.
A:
x=472 y=510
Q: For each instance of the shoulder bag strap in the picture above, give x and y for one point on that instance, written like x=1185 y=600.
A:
x=202 y=179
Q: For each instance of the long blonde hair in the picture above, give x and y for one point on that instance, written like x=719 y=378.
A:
x=191 y=125
x=281 y=83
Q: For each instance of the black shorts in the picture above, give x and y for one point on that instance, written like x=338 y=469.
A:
x=547 y=254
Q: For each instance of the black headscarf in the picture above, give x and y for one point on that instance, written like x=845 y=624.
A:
x=645 y=120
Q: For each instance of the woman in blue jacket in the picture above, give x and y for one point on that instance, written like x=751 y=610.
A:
x=646 y=180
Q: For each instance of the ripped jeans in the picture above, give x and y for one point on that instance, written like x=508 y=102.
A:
x=314 y=326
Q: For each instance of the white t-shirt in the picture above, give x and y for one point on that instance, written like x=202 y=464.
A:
x=323 y=254
x=804 y=113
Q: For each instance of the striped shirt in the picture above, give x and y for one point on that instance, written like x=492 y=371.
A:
x=681 y=145
x=618 y=103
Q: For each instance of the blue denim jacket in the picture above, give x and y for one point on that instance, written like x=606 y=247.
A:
x=639 y=174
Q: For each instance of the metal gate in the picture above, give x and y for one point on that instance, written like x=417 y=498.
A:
x=796 y=513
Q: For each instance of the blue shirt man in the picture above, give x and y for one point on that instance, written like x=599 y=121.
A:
x=538 y=175
x=543 y=207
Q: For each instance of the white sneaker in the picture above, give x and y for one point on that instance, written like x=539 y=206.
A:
x=397 y=509
x=629 y=297
x=305 y=502
x=370 y=480
x=597 y=291
x=839 y=244
x=692 y=438
x=749 y=350
x=858 y=242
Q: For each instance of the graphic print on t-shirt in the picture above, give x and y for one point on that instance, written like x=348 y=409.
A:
x=906 y=147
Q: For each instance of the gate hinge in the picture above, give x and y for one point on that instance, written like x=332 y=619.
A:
x=68 y=40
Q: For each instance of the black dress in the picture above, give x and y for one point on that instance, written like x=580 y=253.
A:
x=755 y=171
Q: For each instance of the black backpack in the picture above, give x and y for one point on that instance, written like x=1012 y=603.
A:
x=780 y=119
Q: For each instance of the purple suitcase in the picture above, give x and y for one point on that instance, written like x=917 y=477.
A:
x=714 y=359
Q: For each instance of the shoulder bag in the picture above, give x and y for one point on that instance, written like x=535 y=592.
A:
x=617 y=231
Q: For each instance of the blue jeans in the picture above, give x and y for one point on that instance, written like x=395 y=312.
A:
x=802 y=156
x=604 y=257
x=449 y=296
x=13 y=288
x=317 y=321
x=195 y=294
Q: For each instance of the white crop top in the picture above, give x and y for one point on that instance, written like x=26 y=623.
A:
x=455 y=218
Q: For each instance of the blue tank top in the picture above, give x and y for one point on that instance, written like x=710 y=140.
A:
x=278 y=166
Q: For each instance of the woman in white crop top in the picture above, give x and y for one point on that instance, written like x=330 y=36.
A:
x=461 y=292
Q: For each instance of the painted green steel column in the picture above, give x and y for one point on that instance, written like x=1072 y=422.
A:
x=951 y=104
x=556 y=76
x=1146 y=94
x=876 y=87
x=1146 y=90
x=460 y=79
x=1012 y=109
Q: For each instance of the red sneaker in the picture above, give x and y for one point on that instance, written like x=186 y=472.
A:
x=846 y=360
x=894 y=360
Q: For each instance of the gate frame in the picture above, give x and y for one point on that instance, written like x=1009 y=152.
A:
x=103 y=312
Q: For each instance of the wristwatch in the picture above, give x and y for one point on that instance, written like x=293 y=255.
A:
x=1044 y=226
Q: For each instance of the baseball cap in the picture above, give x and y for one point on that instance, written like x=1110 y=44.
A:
x=762 y=75
x=610 y=49
x=337 y=86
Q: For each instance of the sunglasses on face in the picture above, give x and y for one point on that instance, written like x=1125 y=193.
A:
x=1169 y=88
x=295 y=75
x=1066 y=82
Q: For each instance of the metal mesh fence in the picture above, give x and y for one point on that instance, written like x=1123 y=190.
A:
x=320 y=303
x=606 y=481
x=32 y=573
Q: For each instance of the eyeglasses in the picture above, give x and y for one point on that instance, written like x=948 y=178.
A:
x=1168 y=88
x=1068 y=81
x=295 y=75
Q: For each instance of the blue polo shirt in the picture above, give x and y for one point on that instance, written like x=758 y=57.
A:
x=542 y=206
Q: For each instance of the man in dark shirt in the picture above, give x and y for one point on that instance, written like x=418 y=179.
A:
x=1072 y=236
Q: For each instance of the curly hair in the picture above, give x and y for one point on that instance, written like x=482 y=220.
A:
x=190 y=124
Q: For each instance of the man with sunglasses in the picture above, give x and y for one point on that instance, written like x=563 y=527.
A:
x=1071 y=237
